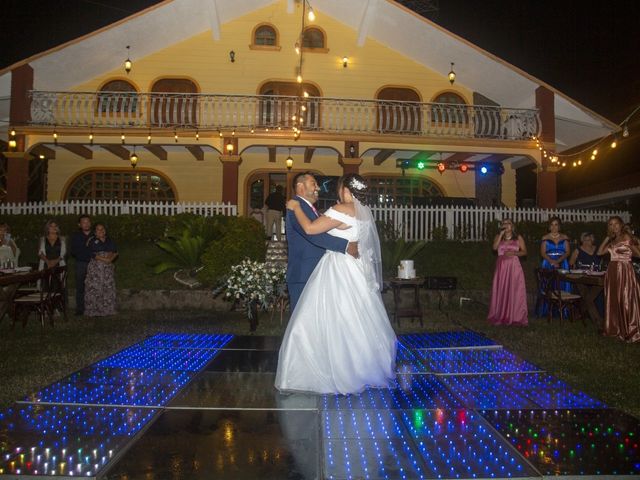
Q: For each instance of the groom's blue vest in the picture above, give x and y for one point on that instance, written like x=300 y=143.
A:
x=305 y=251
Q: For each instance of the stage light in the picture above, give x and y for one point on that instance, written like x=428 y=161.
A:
x=484 y=170
x=463 y=167
x=420 y=165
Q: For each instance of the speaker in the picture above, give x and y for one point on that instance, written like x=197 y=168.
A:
x=441 y=283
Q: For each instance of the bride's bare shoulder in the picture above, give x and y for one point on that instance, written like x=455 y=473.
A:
x=346 y=208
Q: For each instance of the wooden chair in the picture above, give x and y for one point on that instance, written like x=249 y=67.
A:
x=38 y=302
x=58 y=285
x=550 y=291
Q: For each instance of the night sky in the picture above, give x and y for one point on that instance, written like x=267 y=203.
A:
x=588 y=53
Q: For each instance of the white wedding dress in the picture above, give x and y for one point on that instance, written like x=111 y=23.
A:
x=339 y=338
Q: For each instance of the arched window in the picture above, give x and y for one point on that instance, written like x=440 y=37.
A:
x=449 y=108
x=313 y=38
x=265 y=35
x=117 y=96
x=129 y=185
x=399 y=110
x=172 y=103
x=406 y=190
x=278 y=112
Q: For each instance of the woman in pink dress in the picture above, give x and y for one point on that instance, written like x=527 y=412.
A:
x=508 y=294
x=621 y=288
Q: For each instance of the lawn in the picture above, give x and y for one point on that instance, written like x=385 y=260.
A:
x=31 y=358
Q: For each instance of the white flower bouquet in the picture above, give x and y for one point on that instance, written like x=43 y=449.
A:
x=255 y=282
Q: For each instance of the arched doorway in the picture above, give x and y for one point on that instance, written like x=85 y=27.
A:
x=399 y=110
x=261 y=184
x=169 y=108
x=287 y=99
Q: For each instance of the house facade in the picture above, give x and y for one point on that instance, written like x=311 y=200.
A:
x=226 y=99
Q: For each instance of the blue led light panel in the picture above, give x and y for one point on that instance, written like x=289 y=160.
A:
x=65 y=441
x=524 y=390
x=114 y=386
x=460 y=444
x=471 y=361
x=572 y=442
x=185 y=340
x=160 y=358
x=440 y=340
x=408 y=391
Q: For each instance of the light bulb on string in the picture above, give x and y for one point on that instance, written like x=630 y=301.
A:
x=625 y=131
x=55 y=137
x=311 y=15
x=149 y=139
x=197 y=136
x=122 y=138
x=614 y=143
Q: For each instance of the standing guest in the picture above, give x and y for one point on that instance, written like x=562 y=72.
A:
x=8 y=250
x=621 y=287
x=100 y=284
x=276 y=206
x=53 y=247
x=554 y=250
x=508 y=294
x=82 y=253
x=586 y=255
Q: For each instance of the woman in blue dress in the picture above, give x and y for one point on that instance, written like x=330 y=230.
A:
x=554 y=251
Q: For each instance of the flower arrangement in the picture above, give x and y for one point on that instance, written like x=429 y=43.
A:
x=251 y=282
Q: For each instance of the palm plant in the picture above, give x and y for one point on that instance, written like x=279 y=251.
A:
x=184 y=251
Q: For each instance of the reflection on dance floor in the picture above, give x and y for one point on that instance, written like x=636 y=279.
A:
x=195 y=406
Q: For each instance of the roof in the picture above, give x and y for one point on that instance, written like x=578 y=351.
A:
x=386 y=21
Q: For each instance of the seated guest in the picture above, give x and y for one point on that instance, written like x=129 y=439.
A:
x=100 y=283
x=586 y=256
x=53 y=247
x=8 y=250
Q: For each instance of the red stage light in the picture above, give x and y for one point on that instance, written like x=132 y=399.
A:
x=464 y=167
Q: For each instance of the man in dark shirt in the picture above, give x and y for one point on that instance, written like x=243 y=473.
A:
x=276 y=206
x=81 y=251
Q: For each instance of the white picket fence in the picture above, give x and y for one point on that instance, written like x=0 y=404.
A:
x=468 y=223
x=91 y=207
x=465 y=223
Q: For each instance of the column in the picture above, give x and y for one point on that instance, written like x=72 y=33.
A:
x=546 y=180
x=350 y=165
x=230 y=167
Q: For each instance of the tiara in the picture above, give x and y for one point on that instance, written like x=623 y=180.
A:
x=357 y=184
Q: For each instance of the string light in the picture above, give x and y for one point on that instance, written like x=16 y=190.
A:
x=55 y=137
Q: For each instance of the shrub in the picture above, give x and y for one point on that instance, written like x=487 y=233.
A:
x=242 y=238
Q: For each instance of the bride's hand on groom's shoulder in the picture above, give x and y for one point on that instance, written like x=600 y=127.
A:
x=293 y=204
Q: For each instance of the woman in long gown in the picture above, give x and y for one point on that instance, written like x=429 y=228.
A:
x=554 y=250
x=509 y=294
x=339 y=338
x=621 y=287
x=100 y=284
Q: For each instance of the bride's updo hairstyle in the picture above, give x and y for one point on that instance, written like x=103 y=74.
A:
x=356 y=185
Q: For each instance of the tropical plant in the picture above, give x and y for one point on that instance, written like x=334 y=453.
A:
x=184 y=251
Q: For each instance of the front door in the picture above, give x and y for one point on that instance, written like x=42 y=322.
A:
x=261 y=185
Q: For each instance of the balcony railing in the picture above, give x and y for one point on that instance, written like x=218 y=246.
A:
x=244 y=112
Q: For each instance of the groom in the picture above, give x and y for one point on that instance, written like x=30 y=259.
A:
x=305 y=250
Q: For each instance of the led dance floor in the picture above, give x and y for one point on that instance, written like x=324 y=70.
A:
x=180 y=406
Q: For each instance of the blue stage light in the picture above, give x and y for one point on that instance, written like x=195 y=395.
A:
x=484 y=170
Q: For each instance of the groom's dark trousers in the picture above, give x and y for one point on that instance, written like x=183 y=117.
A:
x=305 y=251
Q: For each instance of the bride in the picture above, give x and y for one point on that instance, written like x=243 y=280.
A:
x=339 y=338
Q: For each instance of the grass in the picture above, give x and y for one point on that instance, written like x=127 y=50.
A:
x=31 y=359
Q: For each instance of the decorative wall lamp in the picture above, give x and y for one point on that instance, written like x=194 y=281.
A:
x=452 y=75
x=12 y=139
x=229 y=147
x=232 y=56
x=127 y=62
x=133 y=158
x=345 y=61
x=289 y=160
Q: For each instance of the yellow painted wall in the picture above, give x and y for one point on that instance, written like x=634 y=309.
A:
x=206 y=61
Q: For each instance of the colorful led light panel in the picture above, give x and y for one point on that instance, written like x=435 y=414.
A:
x=114 y=386
x=470 y=361
x=184 y=340
x=439 y=340
x=408 y=391
x=572 y=442
x=65 y=441
x=190 y=359
x=523 y=390
x=460 y=444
